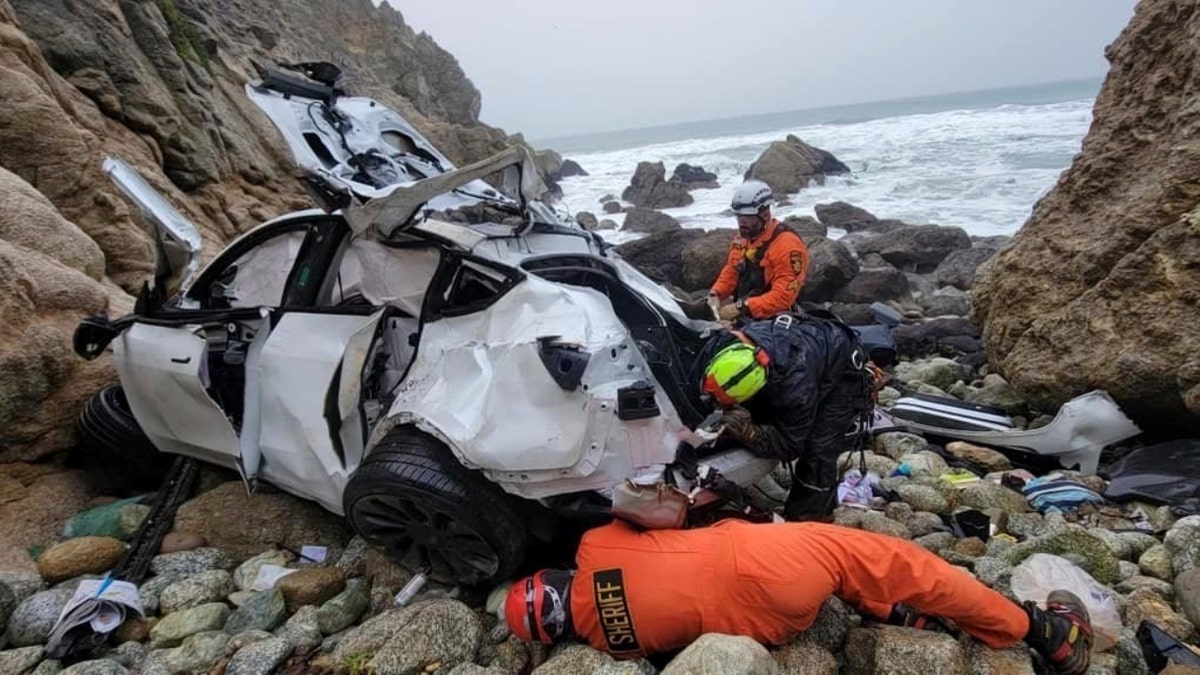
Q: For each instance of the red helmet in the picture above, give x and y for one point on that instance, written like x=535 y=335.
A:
x=537 y=608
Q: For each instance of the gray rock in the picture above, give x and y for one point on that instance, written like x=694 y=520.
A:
x=155 y=664
x=99 y=667
x=716 y=654
x=925 y=463
x=475 y=668
x=1187 y=592
x=902 y=651
x=845 y=216
x=918 y=248
x=1077 y=545
x=1011 y=661
x=264 y=611
x=922 y=523
x=995 y=574
x=924 y=498
x=888 y=396
x=186 y=563
x=260 y=658
x=247 y=572
x=806 y=659
x=998 y=393
x=353 y=562
x=847 y=517
x=946 y=302
x=1025 y=525
x=574 y=658
x=34 y=618
x=175 y=628
x=8 y=604
x=1163 y=588
x=23 y=583
x=638 y=219
x=243 y=639
x=880 y=524
x=198 y=653
x=938 y=541
x=998 y=547
x=151 y=590
x=17 y=661
x=129 y=654
x=879 y=464
x=195 y=590
x=239 y=598
x=1139 y=542
x=343 y=609
x=53 y=667
x=897 y=444
x=832 y=624
x=1130 y=660
x=302 y=630
x=1183 y=541
x=987 y=495
x=958 y=268
x=445 y=631
x=1126 y=570
x=1118 y=545
x=1145 y=604
x=937 y=371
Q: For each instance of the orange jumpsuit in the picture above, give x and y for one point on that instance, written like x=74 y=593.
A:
x=638 y=593
x=784 y=265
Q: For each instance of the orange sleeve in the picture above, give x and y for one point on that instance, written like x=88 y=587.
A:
x=786 y=267
x=727 y=280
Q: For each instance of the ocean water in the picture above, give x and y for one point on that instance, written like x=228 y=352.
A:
x=977 y=160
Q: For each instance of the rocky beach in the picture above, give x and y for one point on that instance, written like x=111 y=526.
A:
x=1098 y=290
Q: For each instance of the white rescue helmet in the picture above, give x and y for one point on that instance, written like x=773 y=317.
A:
x=750 y=197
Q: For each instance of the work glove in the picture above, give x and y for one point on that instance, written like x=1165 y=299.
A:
x=739 y=425
x=729 y=312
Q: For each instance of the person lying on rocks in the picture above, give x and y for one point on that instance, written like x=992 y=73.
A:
x=636 y=593
x=767 y=262
x=792 y=388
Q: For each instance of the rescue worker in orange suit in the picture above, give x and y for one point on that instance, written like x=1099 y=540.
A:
x=767 y=263
x=638 y=593
x=792 y=388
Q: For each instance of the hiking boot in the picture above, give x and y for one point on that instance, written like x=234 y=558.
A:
x=1062 y=633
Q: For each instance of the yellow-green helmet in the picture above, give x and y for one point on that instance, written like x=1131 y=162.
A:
x=736 y=373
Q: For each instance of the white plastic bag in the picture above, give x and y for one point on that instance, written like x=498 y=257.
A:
x=1042 y=573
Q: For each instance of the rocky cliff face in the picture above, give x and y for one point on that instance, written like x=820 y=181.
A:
x=1101 y=287
x=160 y=82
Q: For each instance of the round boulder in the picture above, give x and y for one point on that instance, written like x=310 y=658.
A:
x=791 y=164
x=649 y=188
x=639 y=219
x=845 y=216
x=917 y=248
x=75 y=557
x=831 y=266
x=958 y=268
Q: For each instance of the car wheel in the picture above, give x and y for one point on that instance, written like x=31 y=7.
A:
x=411 y=498
x=122 y=454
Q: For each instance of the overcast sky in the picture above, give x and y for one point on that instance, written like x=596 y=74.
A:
x=558 y=67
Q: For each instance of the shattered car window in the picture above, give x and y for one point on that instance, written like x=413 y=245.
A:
x=259 y=276
x=381 y=275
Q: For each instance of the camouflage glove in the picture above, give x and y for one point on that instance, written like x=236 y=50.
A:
x=739 y=425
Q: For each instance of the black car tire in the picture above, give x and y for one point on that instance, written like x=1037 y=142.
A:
x=118 y=448
x=411 y=498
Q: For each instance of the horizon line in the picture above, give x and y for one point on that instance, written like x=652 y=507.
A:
x=545 y=142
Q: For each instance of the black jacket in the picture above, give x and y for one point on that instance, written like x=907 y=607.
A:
x=808 y=358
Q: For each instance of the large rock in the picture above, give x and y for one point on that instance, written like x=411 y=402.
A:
x=831 y=265
x=196 y=590
x=902 y=651
x=21 y=660
x=34 y=618
x=943 y=336
x=874 y=284
x=260 y=658
x=806 y=227
x=716 y=654
x=986 y=458
x=197 y=654
x=845 y=216
x=806 y=659
x=939 y=372
x=1183 y=542
x=703 y=258
x=694 y=177
x=311 y=586
x=650 y=189
x=918 y=248
x=405 y=640
x=262 y=611
x=576 y=658
x=343 y=609
x=791 y=164
x=660 y=256
x=946 y=302
x=1110 y=253
x=1075 y=544
x=1144 y=604
x=1187 y=592
x=1011 y=661
x=986 y=495
x=639 y=219
x=175 y=628
x=240 y=524
x=959 y=267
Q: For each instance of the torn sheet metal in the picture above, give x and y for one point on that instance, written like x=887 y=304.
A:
x=298 y=363
x=1080 y=431
x=386 y=276
x=160 y=371
x=249 y=452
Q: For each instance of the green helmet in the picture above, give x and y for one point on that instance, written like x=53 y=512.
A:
x=736 y=373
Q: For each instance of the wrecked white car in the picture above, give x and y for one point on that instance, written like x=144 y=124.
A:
x=450 y=365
